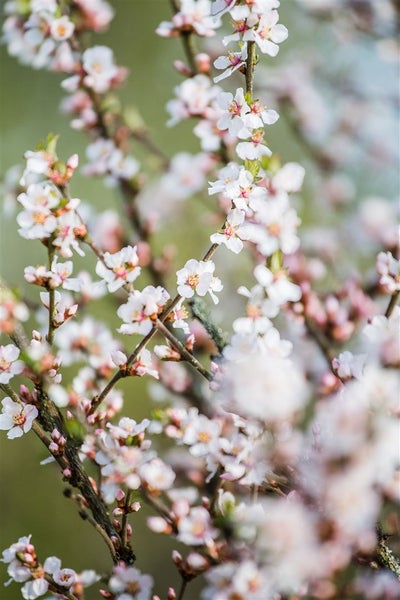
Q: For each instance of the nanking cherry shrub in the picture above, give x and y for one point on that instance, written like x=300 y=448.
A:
x=270 y=450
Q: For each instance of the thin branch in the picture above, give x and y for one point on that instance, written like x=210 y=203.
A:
x=187 y=42
x=183 y=588
x=183 y=351
x=49 y=419
x=250 y=65
x=95 y=249
x=7 y=389
x=51 y=328
x=87 y=517
x=393 y=302
x=162 y=510
x=124 y=520
x=58 y=589
x=321 y=341
x=385 y=555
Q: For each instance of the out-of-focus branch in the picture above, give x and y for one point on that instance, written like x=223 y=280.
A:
x=392 y=303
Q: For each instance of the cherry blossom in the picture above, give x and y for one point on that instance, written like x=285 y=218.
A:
x=37 y=220
x=272 y=448
x=231 y=63
x=268 y=33
x=17 y=418
x=56 y=277
x=106 y=159
x=348 y=365
x=274 y=227
x=195 y=528
x=235 y=110
x=37 y=164
x=142 y=309
x=198 y=277
x=193 y=99
x=277 y=286
x=97 y=13
x=9 y=365
x=119 y=268
x=144 y=365
x=278 y=395
x=253 y=148
x=62 y=28
x=63 y=309
x=389 y=270
x=156 y=475
x=68 y=232
x=241 y=580
x=220 y=7
x=98 y=64
x=125 y=579
x=238 y=185
x=230 y=234
x=194 y=15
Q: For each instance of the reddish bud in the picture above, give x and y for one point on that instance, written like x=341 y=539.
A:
x=203 y=62
x=182 y=68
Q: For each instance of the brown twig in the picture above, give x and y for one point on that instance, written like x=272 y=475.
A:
x=185 y=354
x=250 y=65
x=393 y=302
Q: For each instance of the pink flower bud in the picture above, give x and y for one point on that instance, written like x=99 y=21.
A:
x=24 y=393
x=171 y=594
x=182 y=68
x=53 y=448
x=197 y=562
x=55 y=435
x=91 y=419
x=73 y=161
x=177 y=557
x=120 y=495
x=144 y=253
x=203 y=62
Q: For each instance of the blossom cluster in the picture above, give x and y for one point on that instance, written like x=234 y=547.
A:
x=38 y=579
x=42 y=36
x=270 y=453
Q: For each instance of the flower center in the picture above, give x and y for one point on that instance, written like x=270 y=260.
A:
x=39 y=218
x=204 y=437
x=19 y=419
x=229 y=231
x=4 y=364
x=193 y=280
x=274 y=229
x=120 y=271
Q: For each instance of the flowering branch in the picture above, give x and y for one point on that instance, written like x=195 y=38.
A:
x=266 y=465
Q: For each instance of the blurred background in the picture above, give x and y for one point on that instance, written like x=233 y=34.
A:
x=335 y=84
